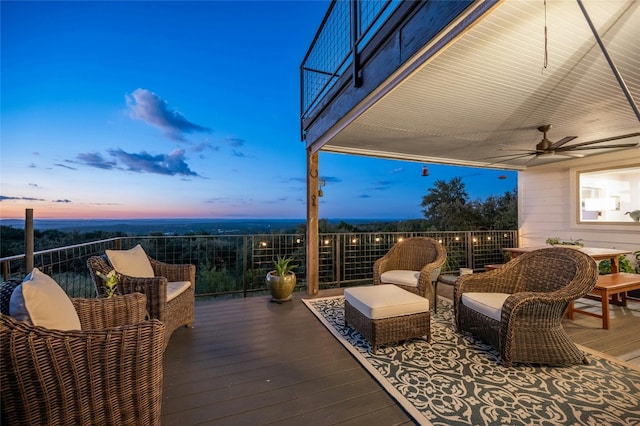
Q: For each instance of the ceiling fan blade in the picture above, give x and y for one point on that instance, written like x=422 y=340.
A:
x=561 y=142
x=569 y=154
x=613 y=138
x=510 y=156
x=530 y=151
x=620 y=145
x=531 y=160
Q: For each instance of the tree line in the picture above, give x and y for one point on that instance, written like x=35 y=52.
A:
x=446 y=207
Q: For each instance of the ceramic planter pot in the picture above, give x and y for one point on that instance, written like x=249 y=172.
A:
x=280 y=288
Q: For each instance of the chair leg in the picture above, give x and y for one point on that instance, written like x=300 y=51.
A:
x=435 y=297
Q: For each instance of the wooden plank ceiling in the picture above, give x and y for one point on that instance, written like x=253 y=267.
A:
x=488 y=91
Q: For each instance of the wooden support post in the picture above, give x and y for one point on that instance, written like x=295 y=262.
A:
x=312 y=224
x=28 y=241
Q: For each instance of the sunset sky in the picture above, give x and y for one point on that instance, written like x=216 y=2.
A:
x=179 y=109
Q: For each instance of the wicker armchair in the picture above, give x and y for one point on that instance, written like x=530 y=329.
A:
x=422 y=255
x=110 y=372
x=536 y=289
x=174 y=313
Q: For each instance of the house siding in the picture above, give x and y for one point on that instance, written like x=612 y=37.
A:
x=546 y=205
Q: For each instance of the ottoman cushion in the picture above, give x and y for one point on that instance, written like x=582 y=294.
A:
x=385 y=301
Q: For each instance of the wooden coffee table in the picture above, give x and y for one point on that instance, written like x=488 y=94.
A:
x=609 y=285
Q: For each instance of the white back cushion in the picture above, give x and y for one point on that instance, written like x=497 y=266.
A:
x=133 y=262
x=41 y=301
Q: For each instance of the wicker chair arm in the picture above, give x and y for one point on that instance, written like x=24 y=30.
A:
x=425 y=279
x=155 y=289
x=108 y=376
x=379 y=267
x=112 y=312
x=174 y=272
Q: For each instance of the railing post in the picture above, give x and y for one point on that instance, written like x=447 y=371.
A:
x=244 y=266
x=337 y=257
x=5 y=271
x=469 y=250
x=28 y=241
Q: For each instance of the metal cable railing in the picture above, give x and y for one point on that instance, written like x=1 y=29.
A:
x=237 y=265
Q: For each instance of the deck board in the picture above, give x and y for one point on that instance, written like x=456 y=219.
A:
x=249 y=361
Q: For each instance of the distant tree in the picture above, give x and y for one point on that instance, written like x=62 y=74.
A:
x=323 y=227
x=499 y=212
x=447 y=207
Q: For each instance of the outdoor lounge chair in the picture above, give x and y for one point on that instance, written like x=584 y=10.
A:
x=412 y=264
x=172 y=305
x=519 y=307
x=107 y=373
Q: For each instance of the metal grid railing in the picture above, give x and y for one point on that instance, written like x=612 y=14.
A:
x=66 y=265
x=237 y=265
x=331 y=51
x=327 y=57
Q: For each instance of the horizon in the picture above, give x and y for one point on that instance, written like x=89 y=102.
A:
x=127 y=110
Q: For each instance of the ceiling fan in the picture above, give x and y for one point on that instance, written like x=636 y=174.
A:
x=546 y=147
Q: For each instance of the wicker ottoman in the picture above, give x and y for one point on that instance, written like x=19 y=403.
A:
x=386 y=314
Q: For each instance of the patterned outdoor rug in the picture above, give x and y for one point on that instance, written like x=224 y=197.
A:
x=458 y=379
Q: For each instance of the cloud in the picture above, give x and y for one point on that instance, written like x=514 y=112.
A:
x=382 y=185
x=65 y=166
x=4 y=197
x=365 y=196
x=171 y=164
x=235 y=142
x=35 y=185
x=95 y=160
x=206 y=144
x=150 y=108
x=65 y=201
x=331 y=179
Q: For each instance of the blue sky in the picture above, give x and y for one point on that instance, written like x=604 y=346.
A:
x=179 y=109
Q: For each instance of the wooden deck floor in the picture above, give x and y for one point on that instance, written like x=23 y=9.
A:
x=252 y=362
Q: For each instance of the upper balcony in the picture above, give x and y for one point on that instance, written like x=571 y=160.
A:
x=471 y=82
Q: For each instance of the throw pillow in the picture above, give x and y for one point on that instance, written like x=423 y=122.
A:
x=40 y=301
x=133 y=262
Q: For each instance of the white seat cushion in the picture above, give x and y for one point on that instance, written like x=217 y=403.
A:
x=489 y=304
x=385 y=301
x=174 y=289
x=133 y=262
x=399 y=276
x=40 y=301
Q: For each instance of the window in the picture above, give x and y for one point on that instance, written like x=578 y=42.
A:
x=610 y=196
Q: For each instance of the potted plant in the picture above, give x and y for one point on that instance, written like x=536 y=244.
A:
x=282 y=280
x=110 y=282
x=556 y=241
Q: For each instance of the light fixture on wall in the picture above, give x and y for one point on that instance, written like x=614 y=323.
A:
x=425 y=171
x=321 y=183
